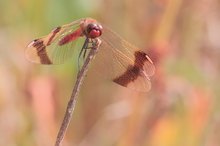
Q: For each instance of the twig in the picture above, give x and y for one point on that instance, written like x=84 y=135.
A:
x=72 y=102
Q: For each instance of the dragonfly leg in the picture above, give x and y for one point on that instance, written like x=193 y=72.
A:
x=90 y=41
x=85 y=45
x=94 y=44
x=83 y=51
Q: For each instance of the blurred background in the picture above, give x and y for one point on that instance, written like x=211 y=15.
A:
x=182 y=108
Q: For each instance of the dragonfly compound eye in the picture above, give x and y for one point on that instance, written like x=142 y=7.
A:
x=94 y=30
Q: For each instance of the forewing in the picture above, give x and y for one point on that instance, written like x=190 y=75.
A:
x=57 y=46
x=130 y=66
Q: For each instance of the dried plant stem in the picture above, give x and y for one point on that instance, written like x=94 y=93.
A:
x=72 y=102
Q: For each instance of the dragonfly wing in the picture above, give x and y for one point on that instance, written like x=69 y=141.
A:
x=57 y=46
x=131 y=67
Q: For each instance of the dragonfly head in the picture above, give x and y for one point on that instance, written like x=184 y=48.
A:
x=93 y=30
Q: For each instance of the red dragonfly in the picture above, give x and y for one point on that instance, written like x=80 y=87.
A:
x=131 y=66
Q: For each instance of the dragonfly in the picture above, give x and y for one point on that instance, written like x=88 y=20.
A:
x=131 y=67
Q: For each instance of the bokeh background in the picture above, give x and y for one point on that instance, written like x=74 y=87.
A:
x=182 y=108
